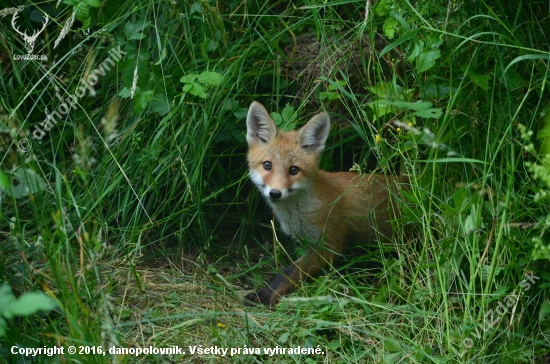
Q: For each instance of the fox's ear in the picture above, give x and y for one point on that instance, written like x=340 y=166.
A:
x=260 y=128
x=314 y=134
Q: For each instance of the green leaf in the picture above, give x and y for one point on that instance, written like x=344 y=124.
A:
x=126 y=312
x=136 y=36
x=432 y=90
x=160 y=104
x=480 y=80
x=125 y=93
x=418 y=47
x=289 y=126
x=28 y=304
x=134 y=30
x=288 y=113
x=230 y=104
x=544 y=132
x=241 y=113
x=385 y=90
x=544 y=311
x=284 y=337
x=486 y=270
x=434 y=40
x=429 y=113
x=328 y=95
x=399 y=41
x=128 y=73
x=380 y=109
x=93 y=3
x=426 y=59
x=198 y=90
x=196 y=8
x=3 y=327
x=6 y=297
x=383 y=7
x=421 y=108
x=337 y=85
x=277 y=118
x=392 y=345
x=82 y=11
x=415 y=106
x=141 y=100
x=210 y=45
x=86 y=23
x=210 y=78
x=190 y=78
x=24 y=182
x=390 y=27
x=4 y=185
x=513 y=79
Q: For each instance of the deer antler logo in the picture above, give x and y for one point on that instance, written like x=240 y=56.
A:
x=29 y=41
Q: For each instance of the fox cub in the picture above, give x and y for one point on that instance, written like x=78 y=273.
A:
x=334 y=208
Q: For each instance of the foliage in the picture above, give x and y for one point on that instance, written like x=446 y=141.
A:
x=27 y=304
x=134 y=208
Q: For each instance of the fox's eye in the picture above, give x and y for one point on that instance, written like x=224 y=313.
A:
x=267 y=165
x=294 y=170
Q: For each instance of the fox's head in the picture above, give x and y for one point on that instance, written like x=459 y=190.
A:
x=283 y=164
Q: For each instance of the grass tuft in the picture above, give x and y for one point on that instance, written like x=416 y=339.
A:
x=126 y=202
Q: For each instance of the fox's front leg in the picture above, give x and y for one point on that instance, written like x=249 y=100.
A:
x=310 y=265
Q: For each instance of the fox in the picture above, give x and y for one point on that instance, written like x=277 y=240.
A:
x=334 y=209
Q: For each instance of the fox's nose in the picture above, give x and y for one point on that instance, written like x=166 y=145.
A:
x=275 y=194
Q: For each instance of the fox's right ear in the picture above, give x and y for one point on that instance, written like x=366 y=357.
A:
x=260 y=128
x=314 y=134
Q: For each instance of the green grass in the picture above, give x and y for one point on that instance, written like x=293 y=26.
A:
x=135 y=213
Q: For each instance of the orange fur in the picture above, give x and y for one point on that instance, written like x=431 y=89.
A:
x=332 y=207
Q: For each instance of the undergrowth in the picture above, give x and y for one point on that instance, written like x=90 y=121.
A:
x=128 y=220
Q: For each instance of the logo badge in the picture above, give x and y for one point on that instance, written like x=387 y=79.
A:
x=29 y=40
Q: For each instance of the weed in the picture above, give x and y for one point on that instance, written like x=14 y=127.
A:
x=135 y=213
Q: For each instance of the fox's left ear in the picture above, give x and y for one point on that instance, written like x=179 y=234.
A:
x=314 y=134
x=260 y=128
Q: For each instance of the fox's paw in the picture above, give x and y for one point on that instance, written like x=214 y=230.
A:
x=265 y=296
